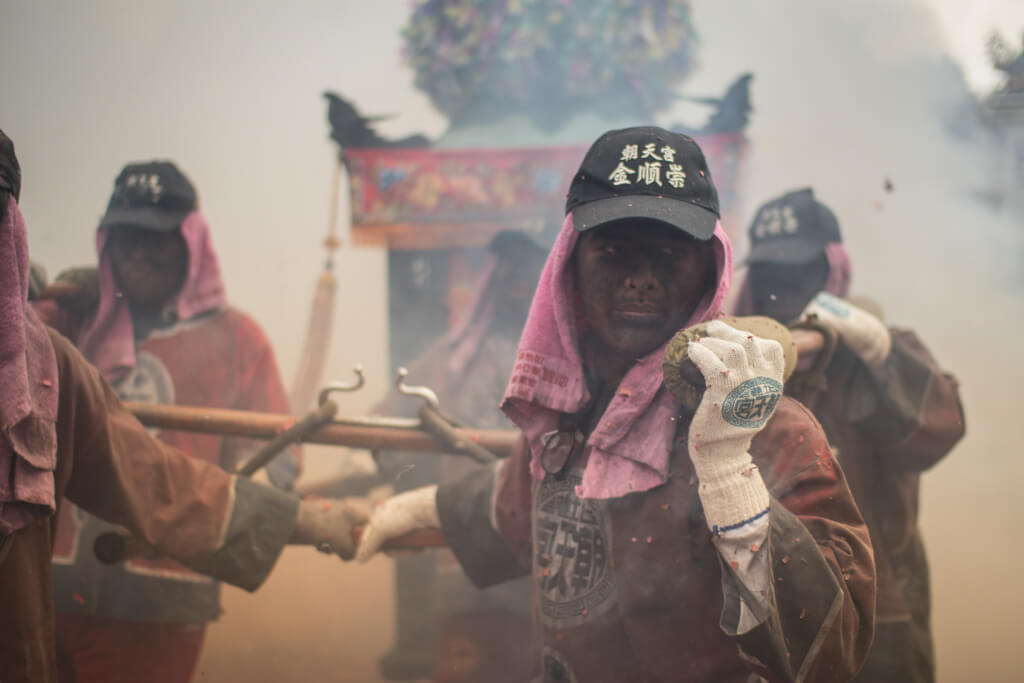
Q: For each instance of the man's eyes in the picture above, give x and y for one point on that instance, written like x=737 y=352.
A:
x=618 y=249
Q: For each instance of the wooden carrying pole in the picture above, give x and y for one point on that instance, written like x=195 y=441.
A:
x=268 y=425
x=339 y=433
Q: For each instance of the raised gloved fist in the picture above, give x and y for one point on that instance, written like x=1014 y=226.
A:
x=328 y=524
x=865 y=334
x=397 y=516
x=743 y=374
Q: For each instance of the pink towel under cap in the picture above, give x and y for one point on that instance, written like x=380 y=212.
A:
x=28 y=399
x=632 y=443
x=108 y=339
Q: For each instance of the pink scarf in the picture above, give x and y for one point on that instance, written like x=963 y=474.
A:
x=108 y=341
x=632 y=444
x=28 y=398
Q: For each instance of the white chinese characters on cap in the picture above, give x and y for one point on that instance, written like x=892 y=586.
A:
x=650 y=171
x=620 y=176
x=145 y=183
x=775 y=221
x=676 y=176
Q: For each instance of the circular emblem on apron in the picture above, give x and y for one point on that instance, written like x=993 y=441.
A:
x=148 y=382
x=572 y=567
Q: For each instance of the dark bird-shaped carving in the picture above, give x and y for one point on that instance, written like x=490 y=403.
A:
x=732 y=110
x=350 y=129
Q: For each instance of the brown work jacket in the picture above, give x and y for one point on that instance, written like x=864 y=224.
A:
x=108 y=464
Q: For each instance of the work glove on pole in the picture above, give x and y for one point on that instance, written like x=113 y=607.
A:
x=866 y=335
x=397 y=516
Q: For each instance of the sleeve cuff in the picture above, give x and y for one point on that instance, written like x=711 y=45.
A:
x=465 y=511
x=734 y=500
x=259 y=524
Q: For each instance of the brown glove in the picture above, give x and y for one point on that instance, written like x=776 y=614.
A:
x=84 y=301
x=327 y=524
x=36 y=280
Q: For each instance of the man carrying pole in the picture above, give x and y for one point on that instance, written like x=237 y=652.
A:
x=664 y=543
x=161 y=332
x=66 y=433
x=889 y=410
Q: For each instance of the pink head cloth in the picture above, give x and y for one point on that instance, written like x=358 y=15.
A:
x=632 y=443
x=840 y=270
x=28 y=399
x=107 y=340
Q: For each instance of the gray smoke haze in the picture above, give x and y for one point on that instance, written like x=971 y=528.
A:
x=846 y=93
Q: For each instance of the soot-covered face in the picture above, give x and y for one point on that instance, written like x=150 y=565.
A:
x=640 y=281
x=782 y=290
x=150 y=266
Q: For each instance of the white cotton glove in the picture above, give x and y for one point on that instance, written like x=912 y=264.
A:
x=743 y=374
x=409 y=511
x=865 y=334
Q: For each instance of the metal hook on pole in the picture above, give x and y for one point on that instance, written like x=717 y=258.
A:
x=425 y=393
x=342 y=386
x=433 y=420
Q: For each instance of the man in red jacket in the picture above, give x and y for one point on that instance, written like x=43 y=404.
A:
x=162 y=332
x=889 y=410
x=664 y=544
x=66 y=433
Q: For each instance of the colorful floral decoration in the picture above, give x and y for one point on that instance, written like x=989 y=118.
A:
x=480 y=59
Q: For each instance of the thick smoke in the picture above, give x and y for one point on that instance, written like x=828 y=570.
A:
x=846 y=96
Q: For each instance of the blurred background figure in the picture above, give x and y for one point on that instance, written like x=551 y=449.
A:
x=447 y=629
x=154 y=319
x=66 y=432
x=889 y=410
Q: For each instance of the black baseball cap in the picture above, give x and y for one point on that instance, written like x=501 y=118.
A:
x=644 y=172
x=153 y=195
x=793 y=228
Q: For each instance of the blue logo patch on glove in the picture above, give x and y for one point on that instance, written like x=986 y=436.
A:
x=751 y=404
